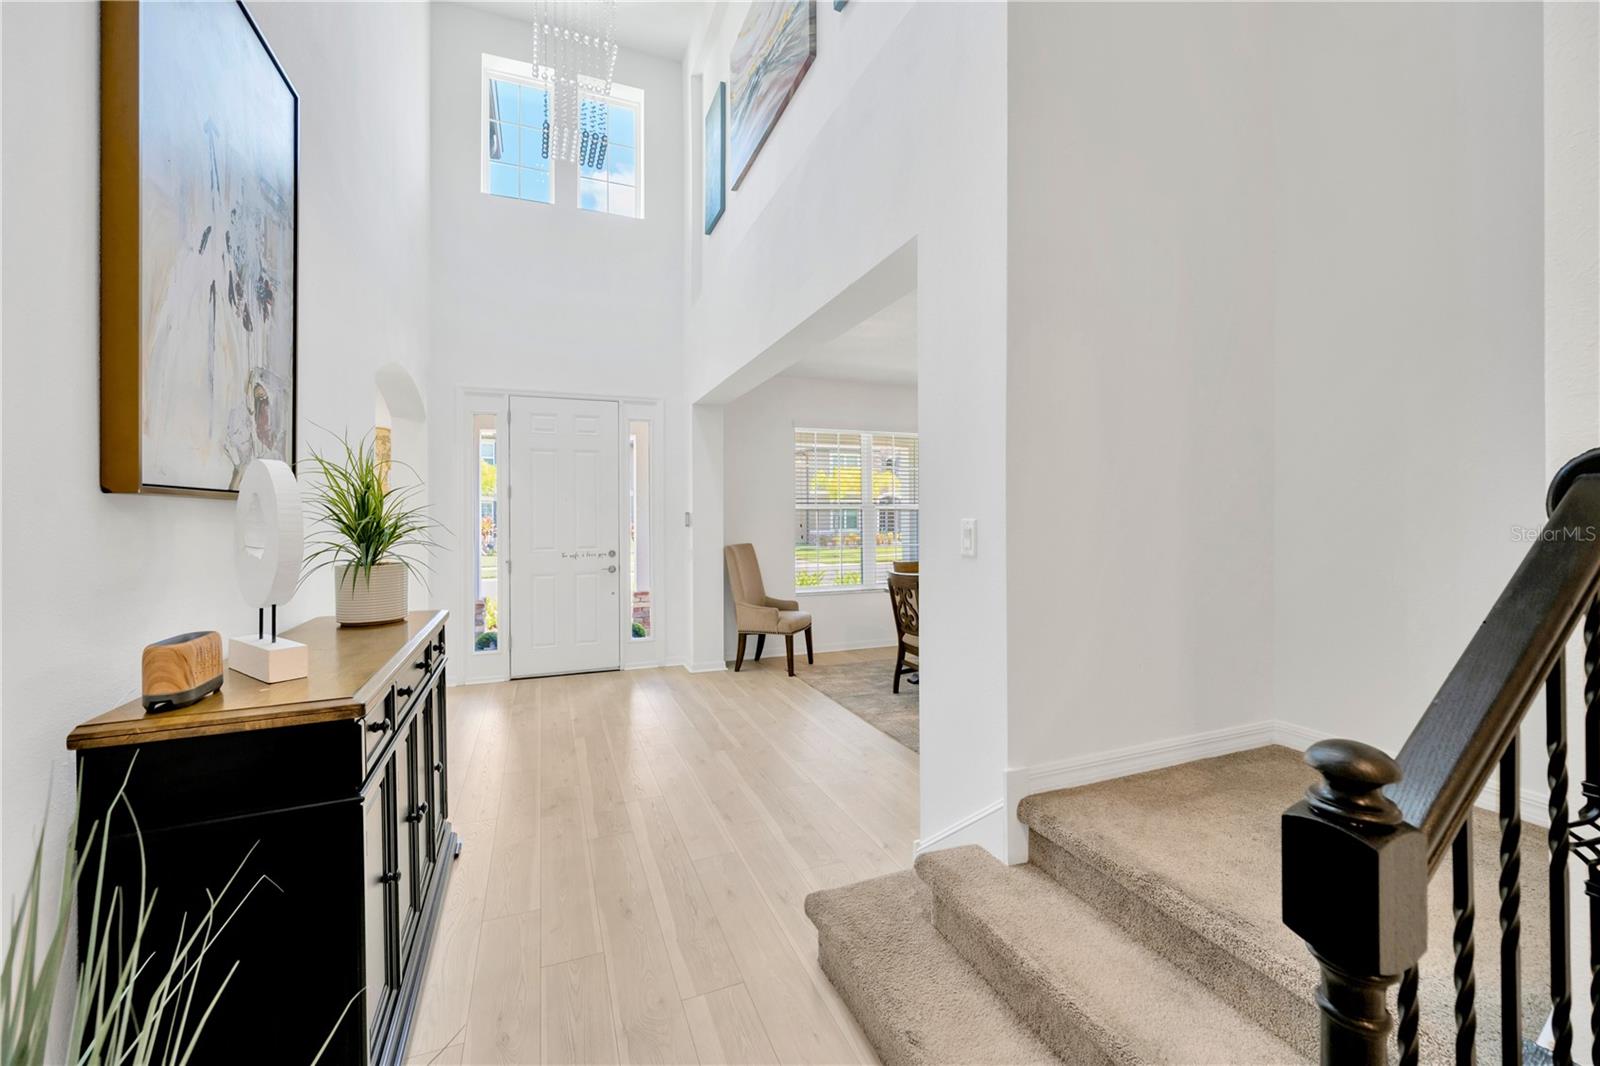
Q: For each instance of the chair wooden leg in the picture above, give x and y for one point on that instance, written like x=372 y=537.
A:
x=810 y=659
x=788 y=647
x=738 y=661
x=761 y=644
x=899 y=665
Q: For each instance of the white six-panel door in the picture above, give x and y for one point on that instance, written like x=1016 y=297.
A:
x=566 y=566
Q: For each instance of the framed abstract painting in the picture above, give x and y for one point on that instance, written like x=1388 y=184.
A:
x=716 y=163
x=199 y=175
x=775 y=47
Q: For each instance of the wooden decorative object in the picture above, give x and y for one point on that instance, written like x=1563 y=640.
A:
x=383 y=448
x=181 y=670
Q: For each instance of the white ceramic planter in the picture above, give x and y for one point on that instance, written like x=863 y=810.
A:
x=374 y=598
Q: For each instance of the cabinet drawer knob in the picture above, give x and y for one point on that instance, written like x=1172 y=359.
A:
x=420 y=664
x=438 y=767
x=417 y=813
x=403 y=691
x=389 y=877
x=382 y=725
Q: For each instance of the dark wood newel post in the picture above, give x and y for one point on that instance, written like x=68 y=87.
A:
x=1355 y=884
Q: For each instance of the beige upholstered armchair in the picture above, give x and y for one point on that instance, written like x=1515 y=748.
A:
x=758 y=613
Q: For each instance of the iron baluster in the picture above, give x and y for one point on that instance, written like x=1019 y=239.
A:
x=1410 y=1018
x=1585 y=835
x=1555 y=703
x=1466 y=984
x=1510 y=907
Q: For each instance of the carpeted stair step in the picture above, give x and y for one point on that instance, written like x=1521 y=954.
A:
x=1093 y=993
x=916 y=999
x=1186 y=861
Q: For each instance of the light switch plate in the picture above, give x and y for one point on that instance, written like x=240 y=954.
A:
x=969 y=537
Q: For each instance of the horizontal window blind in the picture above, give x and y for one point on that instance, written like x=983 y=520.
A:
x=850 y=529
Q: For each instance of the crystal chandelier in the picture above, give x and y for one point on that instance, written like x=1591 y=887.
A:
x=574 y=49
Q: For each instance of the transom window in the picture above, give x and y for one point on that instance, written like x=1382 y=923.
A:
x=517 y=145
x=608 y=175
x=516 y=160
x=849 y=531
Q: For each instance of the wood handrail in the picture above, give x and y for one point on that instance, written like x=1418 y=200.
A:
x=1456 y=746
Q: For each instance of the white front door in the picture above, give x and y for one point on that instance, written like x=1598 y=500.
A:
x=566 y=570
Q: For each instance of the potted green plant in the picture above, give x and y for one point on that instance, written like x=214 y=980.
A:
x=371 y=532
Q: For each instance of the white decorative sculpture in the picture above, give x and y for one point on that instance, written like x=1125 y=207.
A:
x=269 y=543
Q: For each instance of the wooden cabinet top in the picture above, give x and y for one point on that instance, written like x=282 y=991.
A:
x=348 y=669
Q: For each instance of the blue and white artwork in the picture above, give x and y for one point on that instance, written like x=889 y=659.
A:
x=716 y=167
x=773 y=51
x=217 y=169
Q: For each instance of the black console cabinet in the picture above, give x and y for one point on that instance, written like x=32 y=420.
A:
x=333 y=792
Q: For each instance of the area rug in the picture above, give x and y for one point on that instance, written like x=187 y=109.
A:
x=865 y=689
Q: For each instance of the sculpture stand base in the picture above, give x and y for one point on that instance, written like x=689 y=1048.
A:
x=269 y=660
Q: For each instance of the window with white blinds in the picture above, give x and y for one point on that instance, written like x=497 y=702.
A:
x=849 y=531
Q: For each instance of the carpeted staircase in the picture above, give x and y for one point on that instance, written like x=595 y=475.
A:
x=1145 y=928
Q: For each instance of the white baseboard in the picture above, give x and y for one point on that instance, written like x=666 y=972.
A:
x=979 y=827
x=1295 y=736
x=716 y=666
x=820 y=649
x=861 y=645
x=1155 y=755
x=1534 y=802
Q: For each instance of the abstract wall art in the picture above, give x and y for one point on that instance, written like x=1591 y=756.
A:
x=199 y=204
x=716 y=164
x=774 y=49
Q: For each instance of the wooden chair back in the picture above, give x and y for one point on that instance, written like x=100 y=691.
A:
x=903 y=598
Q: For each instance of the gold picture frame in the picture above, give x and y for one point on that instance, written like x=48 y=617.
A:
x=199 y=249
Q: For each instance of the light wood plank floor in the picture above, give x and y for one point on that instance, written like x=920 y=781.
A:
x=638 y=847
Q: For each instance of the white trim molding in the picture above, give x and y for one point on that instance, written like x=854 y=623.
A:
x=1534 y=801
x=948 y=836
x=1154 y=755
x=713 y=667
x=1024 y=781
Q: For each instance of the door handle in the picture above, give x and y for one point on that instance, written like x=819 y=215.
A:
x=611 y=569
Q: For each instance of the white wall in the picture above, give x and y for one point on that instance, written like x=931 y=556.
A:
x=1276 y=332
x=758 y=501
x=1408 y=324
x=89 y=579
x=547 y=298
x=1139 y=416
x=1571 y=230
x=858 y=168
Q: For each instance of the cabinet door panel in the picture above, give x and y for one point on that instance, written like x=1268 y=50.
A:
x=441 y=726
x=377 y=901
x=430 y=792
x=409 y=894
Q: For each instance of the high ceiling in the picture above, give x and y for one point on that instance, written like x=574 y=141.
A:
x=655 y=27
x=881 y=350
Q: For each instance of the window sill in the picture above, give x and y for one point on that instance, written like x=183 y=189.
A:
x=853 y=591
